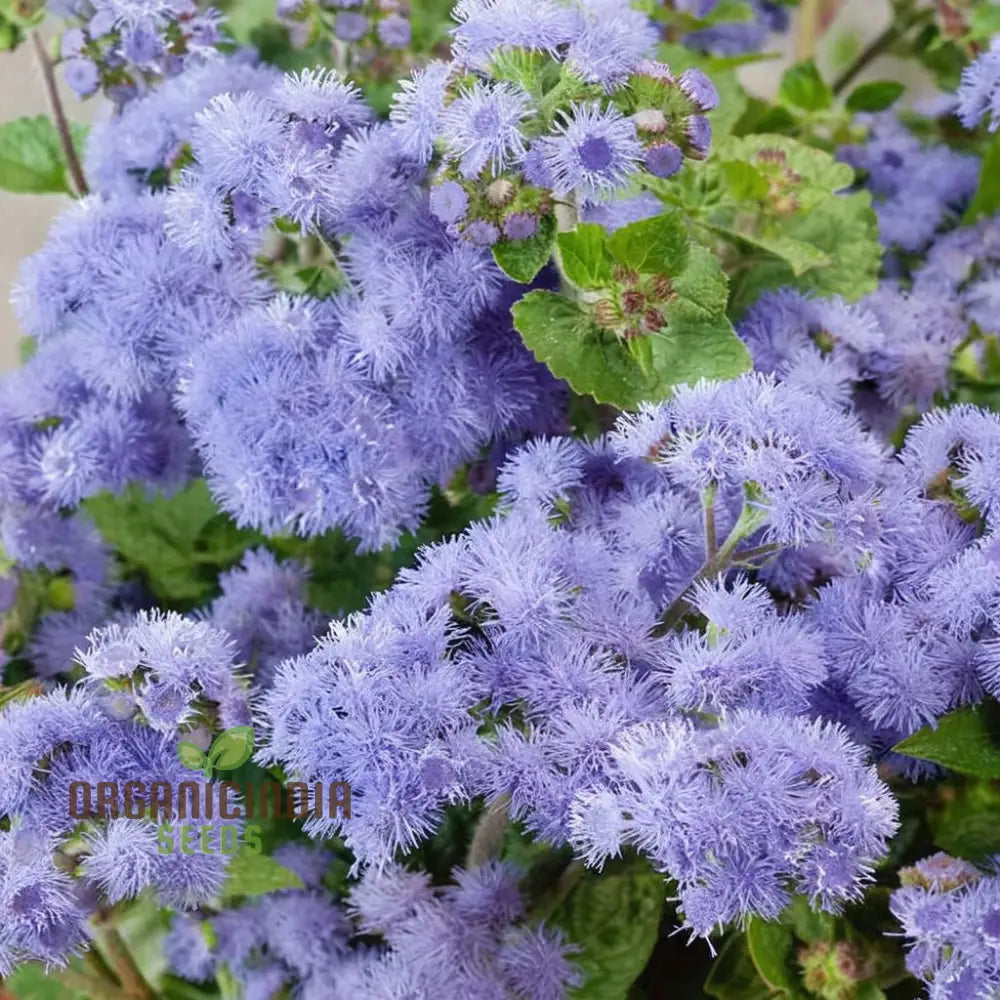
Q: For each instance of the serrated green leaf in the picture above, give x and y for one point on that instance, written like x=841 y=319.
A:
x=966 y=740
x=986 y=200
x=772 y=949
x=803 y=87
x=875 y=96
x=31 y=157
x=523 y=259
x=584 y=256
x=651 y=246
x=614 y=919
x=231 y=748
x=191 y=755
x=177 y=544
x=256 y=874
x=743 y=181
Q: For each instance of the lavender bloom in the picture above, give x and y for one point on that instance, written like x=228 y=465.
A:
x=592 y=153
x=778 y=782
x=950 y=912
x=482 y=127
x=172 y=665
x=979 y=91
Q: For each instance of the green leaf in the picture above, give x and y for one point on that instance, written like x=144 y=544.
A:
x=984 y=21
x=523 y=259
x=651 y=246
x=986 y=200
x=30 y=981
x=809 y=924
x=743 y=181
x=773 y=950
x=31 y=157
x=191 y=755
x=968 y=825
x=966 y=740
x=176 y=544
x=595 y=363
x=875 y=96
x=256 y=874
x=614 y=919
x=803 y=87
x=231 y=748
x=733 y=975
x=584 y=257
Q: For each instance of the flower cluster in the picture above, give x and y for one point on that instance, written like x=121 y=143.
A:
x=554 y=614
x=464 y=940
x=950 y=912
x=554 y=103
x=56 y=872
x=122 y=47
x=173 y=671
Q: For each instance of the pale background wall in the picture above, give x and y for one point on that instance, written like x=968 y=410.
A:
x=25 y=219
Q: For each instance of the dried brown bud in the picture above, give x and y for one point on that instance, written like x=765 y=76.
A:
x=500 y=192
x=605 y=313
x=654 y=320
x=663 y=287
x=633 y=301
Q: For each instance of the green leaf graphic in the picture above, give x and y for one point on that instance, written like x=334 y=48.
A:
x=232 y=748
x=191 y=756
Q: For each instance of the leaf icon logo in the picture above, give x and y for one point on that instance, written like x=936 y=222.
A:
x=230 y=750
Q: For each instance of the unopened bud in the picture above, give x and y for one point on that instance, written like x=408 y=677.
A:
x=500 y=192
x=650 y=120
x=605 y=313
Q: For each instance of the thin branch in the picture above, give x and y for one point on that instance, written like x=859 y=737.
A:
x=879 y=45
x=59 y=115
x=120 y=959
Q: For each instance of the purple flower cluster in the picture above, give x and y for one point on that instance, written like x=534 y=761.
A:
x=507 y=149
x=917 y=188
x=157 y=325
x=556 y=616
x=56 y=871
x=464 y=940
x=122 y=47
x=173 y=671
x=950 y=914
x=886 y=356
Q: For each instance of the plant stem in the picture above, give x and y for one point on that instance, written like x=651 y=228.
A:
x=880 y=44
x=120 y=959
x=807 y=29
x=488 y=839
x=59 y=115
x=560 y=889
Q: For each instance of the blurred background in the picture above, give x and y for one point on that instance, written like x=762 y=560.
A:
x=25 y=219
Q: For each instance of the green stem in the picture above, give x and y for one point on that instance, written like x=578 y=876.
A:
x=880 y=44
x=562 y=887
x=807 y=29
x=120 y=959
x=487 y=841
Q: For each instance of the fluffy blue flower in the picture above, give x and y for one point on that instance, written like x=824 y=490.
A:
x=592 y=152
x=979 y=91
x=481 y=127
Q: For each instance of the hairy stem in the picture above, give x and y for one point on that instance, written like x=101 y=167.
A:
x=560 y=889
x=487 y=841
x=59 y=115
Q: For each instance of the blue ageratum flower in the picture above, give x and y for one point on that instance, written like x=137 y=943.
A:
x=979 y=91
x=593 y=152
x=482 y=127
